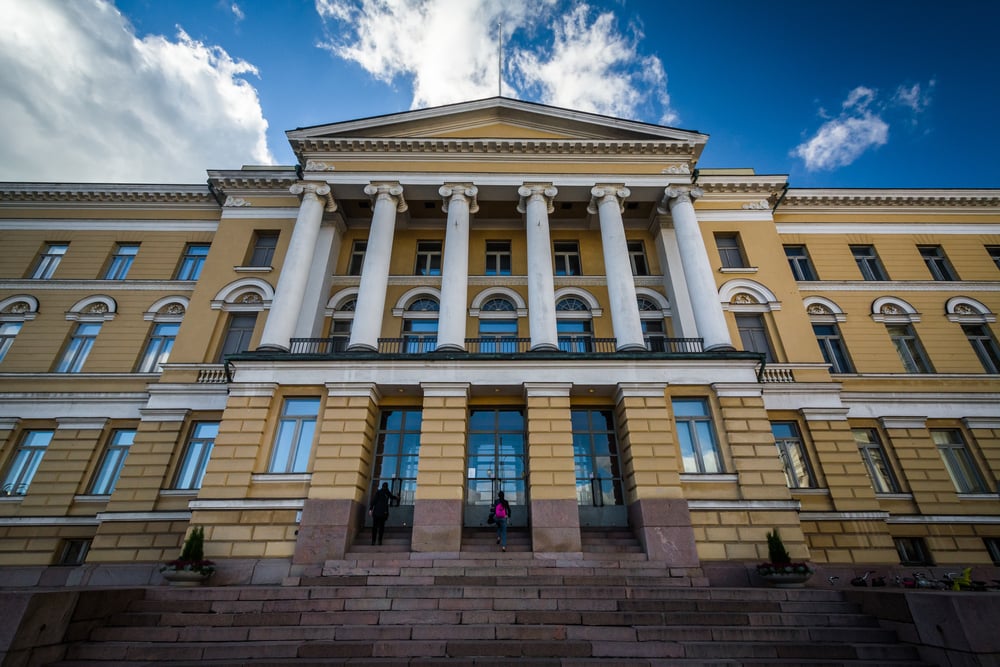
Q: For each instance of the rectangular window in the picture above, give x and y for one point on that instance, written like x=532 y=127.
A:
x=792 y=451
x=498 y=258
x=161 y=341
x=937 y=262
x=868 y=262
x=428 y=258
x=992 y=545
x=912 y=551
x=875 y=460
x=293 y=442
x=832 y=347
x=908 y=346
x=979 y=337
x=357 y=258
x=595 y=456
x=8 y=332
x=753 y=334
x=730 y=251
x=574 y=335
x=264 y=244
x=637 y=256
x=397 y=453
x=340 y=335
x=567 y=258
x=994 y=253
x=49 y=260
x=79 y=347
x=196 y=455
x=121 y=261
x=192 y=261
x=655 y=335
x=696 y=434
x=799 y=262
x=23 y=465
x=112 y=462
x=498 y=336
x=958 y=460
x=420 y=335
x=238 y=334
x=74 y=552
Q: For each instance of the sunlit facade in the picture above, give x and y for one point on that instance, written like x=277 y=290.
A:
x=498 y=295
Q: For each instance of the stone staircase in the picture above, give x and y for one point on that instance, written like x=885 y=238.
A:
x=606 y=606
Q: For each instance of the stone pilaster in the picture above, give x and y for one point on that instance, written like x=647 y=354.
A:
x=555 y=514
x=439 y=505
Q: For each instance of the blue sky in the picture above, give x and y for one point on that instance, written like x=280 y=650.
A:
x=882 y=93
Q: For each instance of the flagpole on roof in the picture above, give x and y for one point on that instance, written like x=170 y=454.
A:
x=500 y=57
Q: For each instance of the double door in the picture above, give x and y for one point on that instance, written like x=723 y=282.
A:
x=496 y=462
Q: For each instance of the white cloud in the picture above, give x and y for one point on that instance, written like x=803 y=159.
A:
x=842 y=140
x=914 y=97
x=448 y=49
x=108 y=106
x=237 y=12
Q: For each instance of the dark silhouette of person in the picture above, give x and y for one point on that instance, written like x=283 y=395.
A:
x=501 y=514
x=379 y=511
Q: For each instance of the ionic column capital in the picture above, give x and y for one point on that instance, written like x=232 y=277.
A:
x=310 y=189
x=544 y=192
x=603 y=192
x=466 y=191
x=675 y=195
x=391 y=191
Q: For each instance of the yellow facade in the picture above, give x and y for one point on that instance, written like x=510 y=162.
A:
x=859 y=414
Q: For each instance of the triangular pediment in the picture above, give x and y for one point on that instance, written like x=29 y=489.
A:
x=497 y=118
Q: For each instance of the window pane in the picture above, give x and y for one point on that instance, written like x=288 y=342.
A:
x=265 y=244
x=196 y=456
x=112 y=463
x=49 y=260
x=25 y=462
x=78 y=348
x=121 y=262
x=8 y=332
x=192 y=262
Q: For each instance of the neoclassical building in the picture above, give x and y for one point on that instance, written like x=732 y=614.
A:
x=498 y=295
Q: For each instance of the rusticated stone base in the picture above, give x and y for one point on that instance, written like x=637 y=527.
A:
x=437 y=525
x=327 y=529
x=555 y=525
x=663 y=525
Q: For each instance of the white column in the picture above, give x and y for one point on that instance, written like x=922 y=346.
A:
x=682 y=313
x=608 y=201
x=317 y=292
x=536 y=204
x=708 y=315
x=295 y=270
x=367 y=323
x=459 y=201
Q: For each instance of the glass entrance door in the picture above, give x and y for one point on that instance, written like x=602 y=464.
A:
x=496 y=463
x=397 y=451
x=598 y=473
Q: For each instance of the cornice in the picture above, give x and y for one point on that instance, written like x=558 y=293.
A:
x=878 y=200
x=318 y=146
x=269 y=181
x=739 y=187
x=100 y=194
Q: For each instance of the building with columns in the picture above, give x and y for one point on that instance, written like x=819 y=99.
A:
x=497 y=295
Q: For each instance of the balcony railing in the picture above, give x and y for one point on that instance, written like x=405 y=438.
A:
x=335 y=346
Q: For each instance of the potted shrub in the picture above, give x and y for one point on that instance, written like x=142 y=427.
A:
x=191 y=568
x=779 y=570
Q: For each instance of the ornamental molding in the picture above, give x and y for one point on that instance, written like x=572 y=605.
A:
x=100 y=194
x=451 y=146
x=237 y=201
x=894 y=199
x=319 y=165
x=238 y=183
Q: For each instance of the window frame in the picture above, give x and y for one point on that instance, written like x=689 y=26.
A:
x=497 y=256
x=299 y=452
x=904 y=339
x=224 y=348
x=121 y=261
x=429 y=258
x=566 y=258
x=883 y=479
x=983 y=344
x=7 y=337
x=757 y=336
x=994 y=252
x=48 y=261
x=959 y=461
x=801 y=265
x=356 y=261
x=265 y=244
x=158 y=348
x=794 y=444
x=868 y=262
x=700 y=451
x=24 y=462
x=637 y=257
x=195 y=457
x=192 y=263
x=937 y=262
x=588 y=456
x=78 y=348
x=915 y=546
x=112 y=462
x=833 y=348
x=730 y=249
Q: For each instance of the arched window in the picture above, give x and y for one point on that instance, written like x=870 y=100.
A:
x=825 y=316
x=340 y=325
x=974 y=317
x=420 y=325
x=14 y=312
x=654 y=330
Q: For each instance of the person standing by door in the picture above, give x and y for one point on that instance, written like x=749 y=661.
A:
x=379 y=511
x=501 y=514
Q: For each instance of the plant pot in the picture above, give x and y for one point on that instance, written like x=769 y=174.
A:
x=185 y=578
x=786 y=579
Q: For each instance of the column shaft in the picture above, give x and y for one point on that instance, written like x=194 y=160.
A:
x=287 y=305
x=708 y=315
x=459 y=201
x=621 y=286
x=536 y=204
x=367 y=323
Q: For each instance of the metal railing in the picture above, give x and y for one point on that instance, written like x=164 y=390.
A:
x=337 y=345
